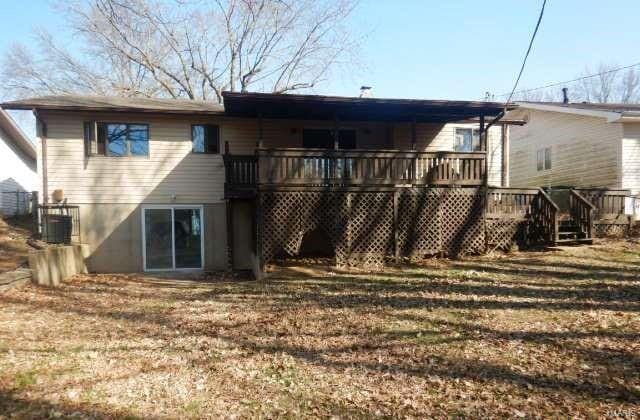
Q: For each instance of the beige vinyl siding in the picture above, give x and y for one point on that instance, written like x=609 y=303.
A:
x=441 y=137
x=631 y=157
x=173 y=174
x=170 y=170
x=585 y=151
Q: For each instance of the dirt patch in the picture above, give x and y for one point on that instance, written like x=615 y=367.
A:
x=541 y=334
x=14 y=233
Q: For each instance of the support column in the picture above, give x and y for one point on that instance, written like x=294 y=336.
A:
x=336 y=133
x=506 y=146
x=260 y=143
x=396 y=233
x=413 y=134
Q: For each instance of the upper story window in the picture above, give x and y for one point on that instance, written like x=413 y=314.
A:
x=543 y=159
x=206 y=138
x=116 y=139
x=467 y=140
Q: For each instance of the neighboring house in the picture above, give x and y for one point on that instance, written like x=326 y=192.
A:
x=18 y=171
x=172 y=184
x=576 y=144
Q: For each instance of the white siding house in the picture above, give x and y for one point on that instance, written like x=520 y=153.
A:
x=576 y=144
x=18 y=173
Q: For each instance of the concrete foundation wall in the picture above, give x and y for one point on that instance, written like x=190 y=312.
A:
x=113 y=233
x=51 y=266
x=243 y=234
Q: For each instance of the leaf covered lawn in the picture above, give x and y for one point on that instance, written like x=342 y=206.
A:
x=524 y=335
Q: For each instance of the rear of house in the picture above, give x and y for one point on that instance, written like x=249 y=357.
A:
x=150 y=181
x=578 y=145
x=18 y=175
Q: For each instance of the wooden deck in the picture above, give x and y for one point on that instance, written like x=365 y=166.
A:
x=375 y=205
x=270 y=168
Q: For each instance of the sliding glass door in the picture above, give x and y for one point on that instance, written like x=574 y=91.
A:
x=172 y=238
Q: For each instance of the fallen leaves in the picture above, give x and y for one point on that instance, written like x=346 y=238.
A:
x=540 y=334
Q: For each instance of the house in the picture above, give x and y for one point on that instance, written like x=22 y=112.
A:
x=576 y=144
x=171 y=184
x=18 y=172
x=588 y=146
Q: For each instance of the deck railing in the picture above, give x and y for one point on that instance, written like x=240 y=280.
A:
x=514 y=203
x=320 y=167
x=581 y=211
x=545 y=218
x=363 y=167
x=609 y=203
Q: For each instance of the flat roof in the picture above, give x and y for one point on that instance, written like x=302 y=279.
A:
x=269 y=105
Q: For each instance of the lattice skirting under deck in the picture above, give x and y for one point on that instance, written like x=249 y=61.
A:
x=607 y=230
x=365 y=228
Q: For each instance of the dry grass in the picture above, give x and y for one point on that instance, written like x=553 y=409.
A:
x=530 y=335
x=14 y=233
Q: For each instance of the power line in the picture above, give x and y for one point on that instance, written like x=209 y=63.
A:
x=571 y=81
x=524 y=62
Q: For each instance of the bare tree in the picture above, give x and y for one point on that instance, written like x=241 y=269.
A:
x=608 y=85
x=191 y=49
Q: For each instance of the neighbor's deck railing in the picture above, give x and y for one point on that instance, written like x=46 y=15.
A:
x=319 y=167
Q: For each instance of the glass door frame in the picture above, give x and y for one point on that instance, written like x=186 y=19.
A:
x=172 y=207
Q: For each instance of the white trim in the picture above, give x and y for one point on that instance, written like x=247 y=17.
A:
x=172 y=207
x=609 y=115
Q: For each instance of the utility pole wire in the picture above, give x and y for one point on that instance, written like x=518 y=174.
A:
x=571 y=81
x=524 y=62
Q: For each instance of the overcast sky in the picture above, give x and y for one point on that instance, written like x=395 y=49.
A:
x=455 y=49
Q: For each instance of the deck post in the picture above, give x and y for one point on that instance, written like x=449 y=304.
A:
x=485 y=181
x=229 y=235
x=260 y=132
x=413 y=134
x=336 y=132
x=505 y=155
x=396 y=237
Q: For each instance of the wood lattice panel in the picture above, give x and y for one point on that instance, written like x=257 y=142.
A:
x=603 y=230
x=362 y=226
x=462 y=227
x=505 y=233
x=369 y=228
x=419 y=222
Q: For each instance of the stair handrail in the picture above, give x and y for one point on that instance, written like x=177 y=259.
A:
x=546 y=216
x=582 y=212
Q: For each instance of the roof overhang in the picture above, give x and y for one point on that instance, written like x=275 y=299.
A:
x=78 y=103
x=610 y=116
x=16 y=135
x=315 y=107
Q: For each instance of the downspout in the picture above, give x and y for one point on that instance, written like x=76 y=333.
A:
x=486 y=143
x=506 y=145
x=41 y=128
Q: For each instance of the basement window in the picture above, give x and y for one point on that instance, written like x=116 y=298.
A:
x=543 y=159
x=116 y=139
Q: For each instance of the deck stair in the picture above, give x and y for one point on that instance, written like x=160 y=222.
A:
x=574 y=221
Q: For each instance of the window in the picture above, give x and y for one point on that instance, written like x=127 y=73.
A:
x=543 y=159
x=116 y=139
x=206 y=138
x=319 y=138
x=467 y=140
